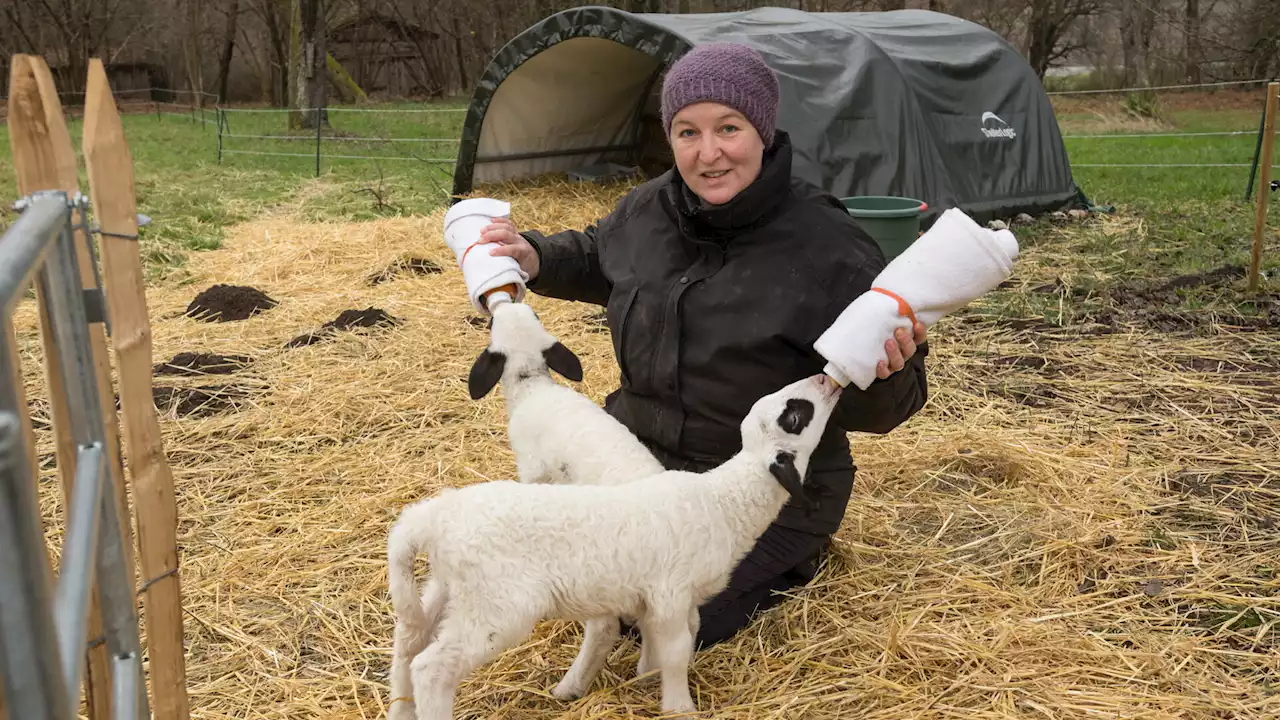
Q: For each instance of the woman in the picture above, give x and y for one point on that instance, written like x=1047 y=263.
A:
x=718 y=276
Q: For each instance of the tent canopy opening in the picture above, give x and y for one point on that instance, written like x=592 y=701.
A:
x=909 y=102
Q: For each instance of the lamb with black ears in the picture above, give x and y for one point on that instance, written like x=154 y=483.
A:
x=558 y=435
x=505 y=555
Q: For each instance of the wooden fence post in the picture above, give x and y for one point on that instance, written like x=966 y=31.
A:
x=111 y=185
x=44 y=160
x=1264 y=184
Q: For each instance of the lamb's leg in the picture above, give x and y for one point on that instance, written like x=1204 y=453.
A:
x=598 y=637
x=668 y=633
x=645 y=665
x=408 y=642
x=466 y=639
x=695 y=623
x=646 y=656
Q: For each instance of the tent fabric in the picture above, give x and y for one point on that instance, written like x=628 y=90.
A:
x=909 y=102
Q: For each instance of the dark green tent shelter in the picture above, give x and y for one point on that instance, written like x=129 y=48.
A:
x=908 y=102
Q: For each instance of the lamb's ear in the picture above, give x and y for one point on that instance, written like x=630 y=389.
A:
x=562 y=360
x=485 y=373
x=784 y=471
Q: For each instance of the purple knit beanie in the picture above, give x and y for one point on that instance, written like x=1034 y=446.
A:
x=728 y=73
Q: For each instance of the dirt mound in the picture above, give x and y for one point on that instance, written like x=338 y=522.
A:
x=199 y=401
x=346 y=320
x=202 y=363
x=405 y=266
x=1196 y=322
x=1160 y=305
x=1147 y=292
x=1220 y=276
x=224 y=303
x=1166 y=293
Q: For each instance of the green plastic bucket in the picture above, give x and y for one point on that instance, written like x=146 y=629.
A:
x=893 y=222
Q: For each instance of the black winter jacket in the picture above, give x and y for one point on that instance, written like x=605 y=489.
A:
x=711 y=308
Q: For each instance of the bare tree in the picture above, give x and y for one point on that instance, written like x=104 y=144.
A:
x=310 y=84
x=191 y=50
x=1048 y=30
x=273 y=16
x=69 y=32
x=1262 y=55
x=228 y=47
x=1192 y=33
x=1137 y=23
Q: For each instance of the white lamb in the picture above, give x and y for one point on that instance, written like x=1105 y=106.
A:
x=558 y=435
x=505 y=555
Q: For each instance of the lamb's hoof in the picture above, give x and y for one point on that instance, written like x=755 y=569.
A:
x=684 y=708
x=568 y=689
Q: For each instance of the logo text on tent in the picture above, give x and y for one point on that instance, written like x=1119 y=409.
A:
x=997 y=128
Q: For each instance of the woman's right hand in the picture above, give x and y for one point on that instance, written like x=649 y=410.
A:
x=502 y=232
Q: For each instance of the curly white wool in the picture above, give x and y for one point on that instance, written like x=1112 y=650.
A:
x=505 y=555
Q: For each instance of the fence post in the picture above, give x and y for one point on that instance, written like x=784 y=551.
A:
x=218 y=119
x=316 y=115
x=1257 y=147
x=1264 y=184
x=42 y=674
x=111 y=185
x=41 y=166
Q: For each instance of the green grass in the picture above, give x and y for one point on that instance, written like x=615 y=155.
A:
x=1193 y=217
x=1184 y=219
x=192 y=199
x=402 y=135
x=1161 y=187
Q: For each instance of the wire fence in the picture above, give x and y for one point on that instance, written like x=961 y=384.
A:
x=426 y=135
x=255 y=140
x=1102 y=151
x=1151 y=88
x=158 y=101
x=430 y=136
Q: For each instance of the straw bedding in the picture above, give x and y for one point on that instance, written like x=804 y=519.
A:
x=1081 y=523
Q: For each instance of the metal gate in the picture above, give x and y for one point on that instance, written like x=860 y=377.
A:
x=43 y=620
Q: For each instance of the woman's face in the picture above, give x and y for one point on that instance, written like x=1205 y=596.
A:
x=717 y=152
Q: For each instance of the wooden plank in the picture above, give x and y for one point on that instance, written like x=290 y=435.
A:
x=69 y=178
x=111 y=185
x=1264 y=183
x=36 y=165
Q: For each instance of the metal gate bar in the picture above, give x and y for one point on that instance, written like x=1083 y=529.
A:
x=43 y=637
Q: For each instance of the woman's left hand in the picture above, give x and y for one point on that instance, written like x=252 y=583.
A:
x=900 y=349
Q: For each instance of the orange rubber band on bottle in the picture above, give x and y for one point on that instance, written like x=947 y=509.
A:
x=464 y=252
x=904 y=308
